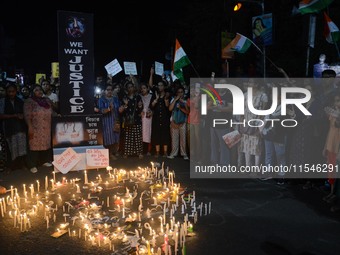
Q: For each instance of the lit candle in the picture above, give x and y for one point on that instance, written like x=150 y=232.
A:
x=209 y=207
x=2 y=209
x=47 y=222
x=123 y=216
x=148 y=247
x=78 y=188
x=46 y=183
x=52 y=181
x=205 y=209
x=38 y=186
x=86 y=181
x=108 y=201
x=32 y=190
x=24 y=185
x=12 y=192
x=154 y=200
x=54 y=176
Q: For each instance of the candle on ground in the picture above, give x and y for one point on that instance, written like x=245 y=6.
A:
x=46 y=183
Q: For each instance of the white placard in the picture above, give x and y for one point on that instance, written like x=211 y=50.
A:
x=130 y=68
x=113 y=67
x=66 y=161
x=159 y=68
x=97 y=157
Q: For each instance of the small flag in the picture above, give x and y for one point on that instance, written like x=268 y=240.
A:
x=312 y=6
x=331 y=31
x=181 y=60
x=240 y=43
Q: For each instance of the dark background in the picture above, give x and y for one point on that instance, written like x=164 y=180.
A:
x=144 y=31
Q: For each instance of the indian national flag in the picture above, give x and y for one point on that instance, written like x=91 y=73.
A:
x=240 y=43
x=181 y=59
x=331 y=31
x=313 y=6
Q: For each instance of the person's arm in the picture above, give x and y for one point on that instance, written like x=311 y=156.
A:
x=152 y=71
x=28 y=109
x=172 y=104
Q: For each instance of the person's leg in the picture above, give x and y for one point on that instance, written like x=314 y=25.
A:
x=32 y=159
x=183 y=139
x=174 y=141
x=214 y=144
x=224 y=152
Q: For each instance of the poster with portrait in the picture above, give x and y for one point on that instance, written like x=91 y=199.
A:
x=262 y=27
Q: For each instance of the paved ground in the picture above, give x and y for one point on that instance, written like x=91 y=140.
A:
x=248 y=217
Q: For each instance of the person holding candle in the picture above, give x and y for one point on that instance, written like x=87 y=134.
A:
x=38 y=115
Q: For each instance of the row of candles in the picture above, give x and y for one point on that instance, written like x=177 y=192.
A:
x=165 y=195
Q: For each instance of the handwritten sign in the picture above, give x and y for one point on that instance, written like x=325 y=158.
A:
x=67 y=160
x=159 y=68
x=39 y=77
x=97 y=157
x=130 y=68
x=113 y=67
x=55 y=69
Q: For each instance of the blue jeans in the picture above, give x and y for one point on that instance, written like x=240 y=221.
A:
x=220 y=153
x=275 y=154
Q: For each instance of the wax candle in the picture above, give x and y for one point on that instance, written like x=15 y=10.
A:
x=78 y=189
x=46 y=183
x=108 y=201
x=38 y=186
x=12 y=192
x=53 y=176
x=2 y=209
x=209 y=207
x=47 y=222
x=148 y=247
x=86 y=181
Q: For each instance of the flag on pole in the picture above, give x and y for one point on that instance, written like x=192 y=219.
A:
x=180 y=60
x=313 y=6
x=331 y=31
x=240 y=43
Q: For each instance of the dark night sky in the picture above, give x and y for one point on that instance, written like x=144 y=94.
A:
x=139 y=30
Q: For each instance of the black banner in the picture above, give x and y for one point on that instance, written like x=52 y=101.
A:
x=76 y=63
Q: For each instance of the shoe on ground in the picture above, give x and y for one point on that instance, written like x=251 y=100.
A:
x=47 y=164
x=156 y=155
x=185 y=157
x=266 y=178
x=170 y=157
x=34 y=170
x=280 y=181
x=325 y=198
x=148 y=154
x=141 y=156
x=165 y=155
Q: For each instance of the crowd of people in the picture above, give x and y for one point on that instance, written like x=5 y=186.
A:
x=163 y=119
